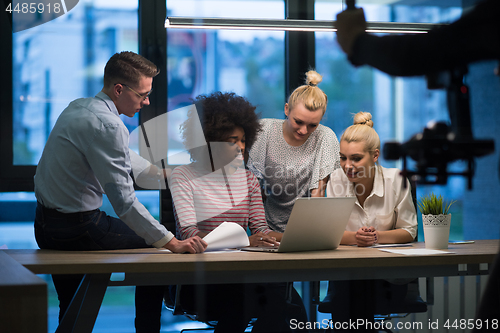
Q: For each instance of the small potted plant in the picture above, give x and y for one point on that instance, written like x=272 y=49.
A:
x=436 y=220
x=434 y=205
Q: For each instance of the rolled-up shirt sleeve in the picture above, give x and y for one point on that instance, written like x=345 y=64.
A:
x=139 y=164
x=109 y=158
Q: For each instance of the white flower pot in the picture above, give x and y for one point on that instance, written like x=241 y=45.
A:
x=436 y=231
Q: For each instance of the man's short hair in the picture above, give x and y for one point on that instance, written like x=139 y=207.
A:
x=128 y=68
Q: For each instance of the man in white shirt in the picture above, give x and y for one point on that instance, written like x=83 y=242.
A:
x=87 y=155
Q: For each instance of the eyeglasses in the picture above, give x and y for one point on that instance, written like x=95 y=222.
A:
x=143 y=96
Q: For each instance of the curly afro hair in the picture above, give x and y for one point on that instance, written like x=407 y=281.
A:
x=219 y=114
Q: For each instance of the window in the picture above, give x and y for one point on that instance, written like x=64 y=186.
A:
x=401 y=107
x=46 y=67
x=60 y=61
x=249 y=63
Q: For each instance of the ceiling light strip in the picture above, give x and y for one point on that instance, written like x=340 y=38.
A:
x=289 y=25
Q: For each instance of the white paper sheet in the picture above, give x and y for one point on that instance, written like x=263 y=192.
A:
x=226 y=235
x=416 y=252
x=391 y=245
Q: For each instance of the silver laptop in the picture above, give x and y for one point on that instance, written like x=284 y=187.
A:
x=314 y=224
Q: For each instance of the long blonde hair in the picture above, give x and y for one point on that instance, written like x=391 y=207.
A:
x=362 y=130
x=309 y=94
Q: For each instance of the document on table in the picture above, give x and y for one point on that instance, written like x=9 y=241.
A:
x=416 y=252
x=226 y=235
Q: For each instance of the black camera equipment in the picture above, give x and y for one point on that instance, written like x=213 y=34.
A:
x=440 y=143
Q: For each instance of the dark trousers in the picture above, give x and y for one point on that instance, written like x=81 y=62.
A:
x=87 y=231
x=234 y=305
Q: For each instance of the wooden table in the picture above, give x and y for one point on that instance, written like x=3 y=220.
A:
x=156 y=267
x=23 y=298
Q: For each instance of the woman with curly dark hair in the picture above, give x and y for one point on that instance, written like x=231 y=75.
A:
x=218 y=131
x=216 y=188
x=219 y=114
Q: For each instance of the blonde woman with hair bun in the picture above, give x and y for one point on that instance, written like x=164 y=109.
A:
x=294 y=157
x=384 y=210
x=384 y=213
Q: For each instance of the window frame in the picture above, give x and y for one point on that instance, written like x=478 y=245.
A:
x=12 y=178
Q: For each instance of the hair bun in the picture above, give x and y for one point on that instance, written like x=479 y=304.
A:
x=363 y=118
x=313 y=78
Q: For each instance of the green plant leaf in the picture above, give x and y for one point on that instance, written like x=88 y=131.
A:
x=435 y=205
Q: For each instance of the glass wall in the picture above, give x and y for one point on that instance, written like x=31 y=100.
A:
x=56 y=63
x=248 y=63
x=62 y=60
x=401 y=107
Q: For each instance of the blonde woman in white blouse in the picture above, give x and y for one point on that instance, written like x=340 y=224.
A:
x=293 y=158
x=384 y=211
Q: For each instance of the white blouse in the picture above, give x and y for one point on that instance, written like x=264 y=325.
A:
x=389 y=206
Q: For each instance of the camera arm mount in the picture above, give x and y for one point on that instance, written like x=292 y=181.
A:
x=440 y=143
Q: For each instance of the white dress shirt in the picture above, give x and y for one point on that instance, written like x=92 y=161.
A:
x=389 y=206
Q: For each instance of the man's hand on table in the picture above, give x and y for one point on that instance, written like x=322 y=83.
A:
x=191 y=245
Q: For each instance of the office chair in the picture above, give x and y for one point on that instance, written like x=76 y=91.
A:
x=172 y=303
x=167 y=217
x=388 y=304
x=172 y=292
x=412 y=303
